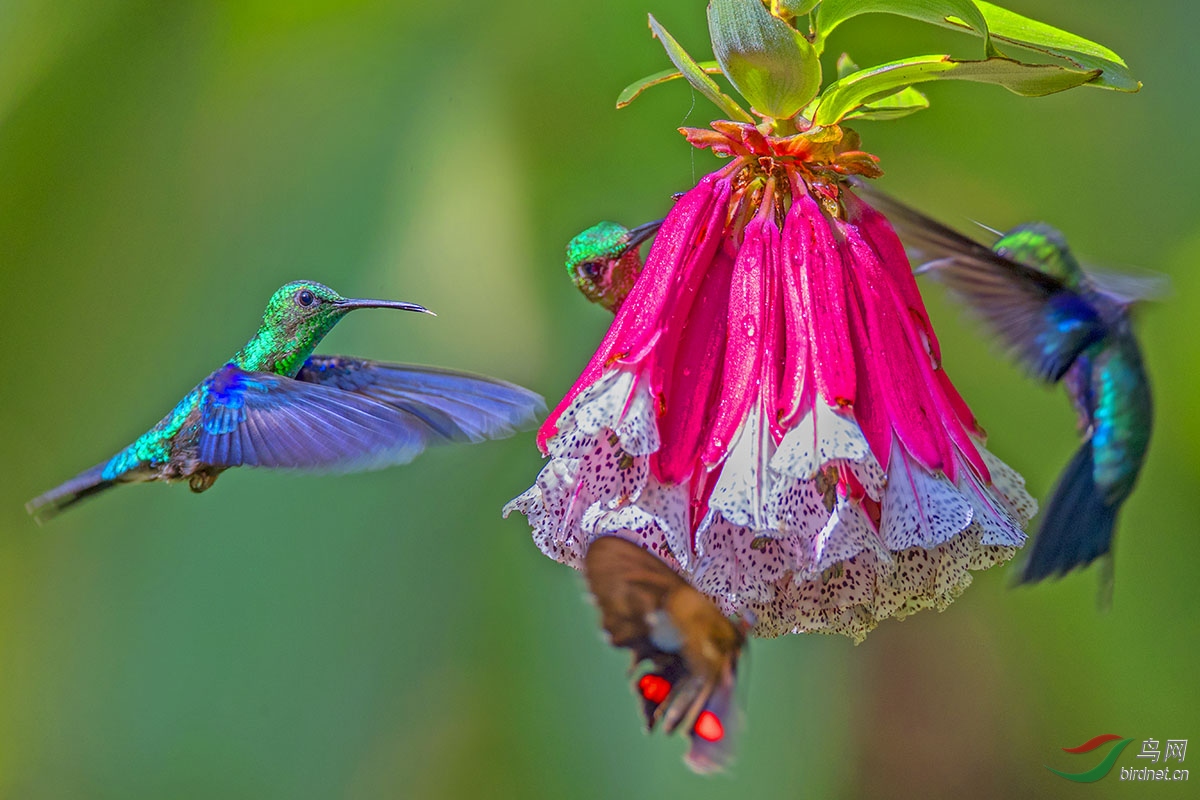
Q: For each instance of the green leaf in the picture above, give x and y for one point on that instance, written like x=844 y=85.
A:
x=954 y=13
x=893 y=106
x=870 y=85
x=631 y=92
x=767 y=60
x=1007 y=26
x=696 y=76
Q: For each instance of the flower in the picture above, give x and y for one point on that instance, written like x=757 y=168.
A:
x=768 y=411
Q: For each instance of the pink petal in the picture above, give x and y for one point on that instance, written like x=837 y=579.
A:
x=689 y=369
x=796 y=391
x=640 y=314
x=957 y=418
x=870 y=409
x=895 y=363
x=741 y=376
x=809 y=247
x=883 y=238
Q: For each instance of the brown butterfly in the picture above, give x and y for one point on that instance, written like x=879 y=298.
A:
x=692 y=646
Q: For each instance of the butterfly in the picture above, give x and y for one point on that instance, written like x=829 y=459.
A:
x=692 y=647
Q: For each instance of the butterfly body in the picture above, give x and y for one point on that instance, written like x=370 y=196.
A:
x=693 y=649
x=275 y=404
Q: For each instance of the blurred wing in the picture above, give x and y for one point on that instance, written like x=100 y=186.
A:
x=715 y=727
x=1044 y=322
x=649 y=609
x=630 y=586
x=457 y=406
x=261 y=419
x=1127 y=289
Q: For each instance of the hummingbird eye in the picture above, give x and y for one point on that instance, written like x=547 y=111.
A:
x=305 y=298
x=590 y=269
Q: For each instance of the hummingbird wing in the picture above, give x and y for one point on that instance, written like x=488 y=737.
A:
x=261 y=419
x=1045 y=322
x=1127 y=289
x=457 y=405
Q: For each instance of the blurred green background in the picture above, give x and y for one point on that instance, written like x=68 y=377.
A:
x=165 y=166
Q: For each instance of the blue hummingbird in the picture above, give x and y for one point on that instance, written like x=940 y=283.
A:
x=1066 y=324
x=275 y=404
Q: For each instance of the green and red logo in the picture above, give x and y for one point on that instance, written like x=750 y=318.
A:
x=1100 y=770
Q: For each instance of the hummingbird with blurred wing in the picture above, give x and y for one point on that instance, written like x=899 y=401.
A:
x=275 y=404
x=1062 y=323
x=604 y=261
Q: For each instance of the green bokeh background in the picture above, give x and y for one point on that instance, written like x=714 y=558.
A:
x=165 y=166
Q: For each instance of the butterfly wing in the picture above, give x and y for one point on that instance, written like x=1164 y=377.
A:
x=646 y=607
x=455 y=406
x=261 y=419
x=1043 y=321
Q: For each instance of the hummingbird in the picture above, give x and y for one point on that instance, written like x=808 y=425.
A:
x=692 y=647
x=604 y=261
x=275 y=404
x=1063 y=323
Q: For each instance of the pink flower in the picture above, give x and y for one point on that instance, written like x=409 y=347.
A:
x=768 y=411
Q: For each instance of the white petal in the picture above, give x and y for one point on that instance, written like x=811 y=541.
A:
x=742 y=487
x=1010 y=486
x=845 y=535
x=552 y=509
x=996 y=525
x=660 y=516
x=820 y=437
x=637 y=426
x=612 y=476
x=735 y=565
x=619 y=402
x=797 y=506
x=919 y=509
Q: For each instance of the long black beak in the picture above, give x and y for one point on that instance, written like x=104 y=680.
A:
x=643 y=232
x=350 y=305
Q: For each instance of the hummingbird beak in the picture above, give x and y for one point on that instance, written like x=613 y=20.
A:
x=351 y=305
x=643 y=232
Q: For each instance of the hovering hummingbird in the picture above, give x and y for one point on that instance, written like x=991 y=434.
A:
x=1062 y=323
x=604 y=261
x=692 y=647
x=274 y=404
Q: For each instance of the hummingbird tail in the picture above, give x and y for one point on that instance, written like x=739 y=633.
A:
x=1077 y=527
x=83 y=485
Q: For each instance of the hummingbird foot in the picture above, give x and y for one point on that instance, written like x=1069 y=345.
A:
x=201 y=481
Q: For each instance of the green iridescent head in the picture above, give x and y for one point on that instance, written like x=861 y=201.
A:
x=1041 y=247
x=298 y=316
x=604 y=261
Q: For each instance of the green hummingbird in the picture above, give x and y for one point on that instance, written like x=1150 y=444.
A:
x=604 y=261
x=275 y=404
x=1063 y=323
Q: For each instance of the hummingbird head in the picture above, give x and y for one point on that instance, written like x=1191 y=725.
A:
x=300 y=314
x=604 y=262
x=1041 y=247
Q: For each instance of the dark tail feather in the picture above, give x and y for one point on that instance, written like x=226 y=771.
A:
x=1077 y=527
x=82 y=486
